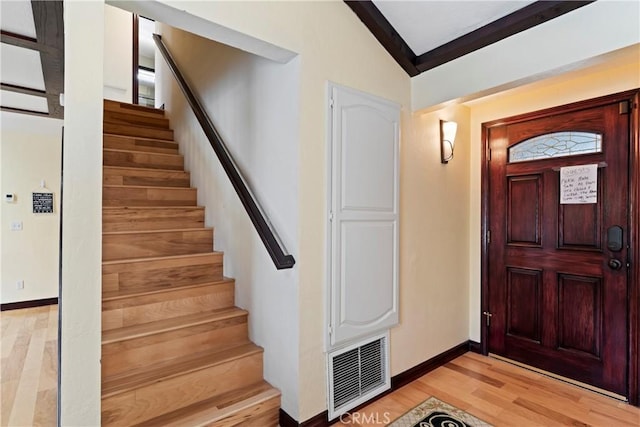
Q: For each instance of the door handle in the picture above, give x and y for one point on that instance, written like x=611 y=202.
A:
x=615 y=264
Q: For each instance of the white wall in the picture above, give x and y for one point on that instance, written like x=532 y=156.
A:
x=253 y=103
x=81 y=293
x=568 y=42
x=118 y=54
x=434 y=235
x=31 y=151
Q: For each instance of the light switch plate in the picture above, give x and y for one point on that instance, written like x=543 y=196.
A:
x=16 y=225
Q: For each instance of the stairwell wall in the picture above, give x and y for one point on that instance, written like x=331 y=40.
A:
x=332 y=45
x=253 y=103
x=118 y=54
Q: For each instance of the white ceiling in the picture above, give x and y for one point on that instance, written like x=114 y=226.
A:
x=24 y=102
x=16 y=16
x=427 y=24
x=20 y=66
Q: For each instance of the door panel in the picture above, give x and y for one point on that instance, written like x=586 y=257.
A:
x=555 y=302
x=579 y=226
x=363 y=240
x=361 y=243
x=524 y=291
x=579 y=305
x=524 y=203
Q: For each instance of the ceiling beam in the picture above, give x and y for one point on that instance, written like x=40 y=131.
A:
x=49 y=21
x=529 y=16
x=23 y=90
x=382 y=30
x=25 y=42
x=22 y=111
x=518 y=21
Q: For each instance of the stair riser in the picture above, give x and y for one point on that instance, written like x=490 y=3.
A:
x=139 y=144
x=159 y=243
x=123 y=196
x=140 y=131
x=131 y=109
x=143 y=177
x=162 y=397
x=161 y=274
x=140 y=352
x=245 y=412
x=133 y=159
x=167 y=305
x=116 y=117
x=151 y=219
x=263 y=414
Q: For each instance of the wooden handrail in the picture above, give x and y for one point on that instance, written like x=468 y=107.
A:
x=264 y=228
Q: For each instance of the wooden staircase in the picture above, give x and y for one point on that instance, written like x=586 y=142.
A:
x=175 y=349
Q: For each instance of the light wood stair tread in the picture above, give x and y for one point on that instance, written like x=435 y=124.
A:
x=165 y=325
x=133 y=108
x=216 y=408
x=132 y=168
x=146 y=153
x=139 y=377
x=125 y=294
x=141 y=138
x=168 y=230
x=160 y=258
x=111 y=116
x=151 y=187
x=151 y=207
x=130 y=125
x=140 y=143
x=119 y=128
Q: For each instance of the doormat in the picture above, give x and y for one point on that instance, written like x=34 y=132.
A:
x=436 y=413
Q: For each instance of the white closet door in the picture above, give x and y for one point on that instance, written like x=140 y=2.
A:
x=364 y=215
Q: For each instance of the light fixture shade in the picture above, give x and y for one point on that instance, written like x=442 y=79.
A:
x=447 y=140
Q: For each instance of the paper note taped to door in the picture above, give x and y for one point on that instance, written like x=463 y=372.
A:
x=579 y=184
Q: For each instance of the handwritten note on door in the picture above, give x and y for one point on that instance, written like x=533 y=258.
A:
x=579 y=184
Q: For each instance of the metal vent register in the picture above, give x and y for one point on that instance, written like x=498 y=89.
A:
x=357 y=373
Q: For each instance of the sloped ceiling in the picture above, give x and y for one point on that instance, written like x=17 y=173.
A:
x=32 y=57
x=421 y=35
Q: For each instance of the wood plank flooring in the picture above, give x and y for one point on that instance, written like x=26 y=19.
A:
x=497 y=392
x=29 y=372
x=501 y=394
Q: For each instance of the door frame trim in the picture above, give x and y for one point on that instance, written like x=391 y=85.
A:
x=633 y=362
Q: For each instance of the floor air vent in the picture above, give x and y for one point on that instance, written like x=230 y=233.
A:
x=357 y=373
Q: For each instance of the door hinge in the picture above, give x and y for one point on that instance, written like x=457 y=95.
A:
x=624 y=107
x=330 y=215
x=330 y=329
x=330 y=102
x=488 y=236
x=487 y=316
x=489 y=155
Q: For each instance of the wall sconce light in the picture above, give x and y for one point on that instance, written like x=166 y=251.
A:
x=447 y=140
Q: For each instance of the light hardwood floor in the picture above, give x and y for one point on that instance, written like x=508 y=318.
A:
x=497 y=392
x=503 y=395
x=28 y=375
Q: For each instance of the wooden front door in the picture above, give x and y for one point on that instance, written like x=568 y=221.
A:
x=557 y=272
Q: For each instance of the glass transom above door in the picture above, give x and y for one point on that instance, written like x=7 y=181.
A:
x=556 y=144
